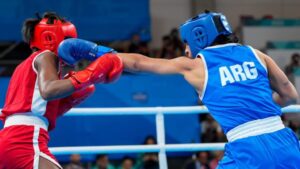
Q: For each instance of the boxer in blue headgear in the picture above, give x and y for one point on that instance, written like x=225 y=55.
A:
x=202 y=30
x=241 y=86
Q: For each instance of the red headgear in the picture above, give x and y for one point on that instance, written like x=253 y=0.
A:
x=48 y=36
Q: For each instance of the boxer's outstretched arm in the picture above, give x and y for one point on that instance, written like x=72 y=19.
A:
x=51 y=87
x=72 y=50
x=285 y=92
x=138 y=62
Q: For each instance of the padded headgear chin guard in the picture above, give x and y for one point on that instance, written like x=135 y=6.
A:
x=202 y=30
x=48 y=36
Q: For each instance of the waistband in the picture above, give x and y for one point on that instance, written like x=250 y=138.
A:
x=26 y=119
x=255 y=128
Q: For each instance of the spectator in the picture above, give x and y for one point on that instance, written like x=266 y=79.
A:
x=217 y=156
x=292 y=67
x=150 y=140
x=211 y=130
x=148 y=160
x=137 y=46
x=178 y=46
x=102 y=162
x=74 y=162
x=167 y=50
x=294 y=125
x=200 y=162
x=134 y=44
x=127 y=163
x=291 y=120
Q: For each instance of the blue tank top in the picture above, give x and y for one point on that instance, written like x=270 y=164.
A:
x=237 y=88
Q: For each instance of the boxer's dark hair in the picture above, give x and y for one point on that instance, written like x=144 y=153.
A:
x=223 y=39
x=29 y=24
x=28 y=28
x=52 y=16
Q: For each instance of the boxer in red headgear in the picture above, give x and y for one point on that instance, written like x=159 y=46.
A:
x=36 y=95
x=50 y=31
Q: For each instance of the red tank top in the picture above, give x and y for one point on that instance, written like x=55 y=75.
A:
x=23 y=94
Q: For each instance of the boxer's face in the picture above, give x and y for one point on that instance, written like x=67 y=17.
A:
x=187 y=51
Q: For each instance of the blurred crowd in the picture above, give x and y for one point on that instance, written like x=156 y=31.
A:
x=292 y=70
x=102 y=161
x=198 y=160
x=172 y=46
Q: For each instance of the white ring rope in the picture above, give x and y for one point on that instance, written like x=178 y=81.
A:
x=137 y=148
x=153 y=110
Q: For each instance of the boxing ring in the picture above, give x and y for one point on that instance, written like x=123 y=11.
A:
x=161 y=147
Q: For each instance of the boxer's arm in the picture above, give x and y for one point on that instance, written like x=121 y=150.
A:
x=138 y=62
x=104 y=69
x=50 y=86
x=285 y=92
x=65 y=104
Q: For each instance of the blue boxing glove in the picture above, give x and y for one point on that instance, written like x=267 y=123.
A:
x=73 y=50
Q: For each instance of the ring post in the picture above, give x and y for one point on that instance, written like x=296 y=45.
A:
x=160 y=131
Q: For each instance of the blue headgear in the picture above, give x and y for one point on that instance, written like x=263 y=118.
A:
x=202 y=30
